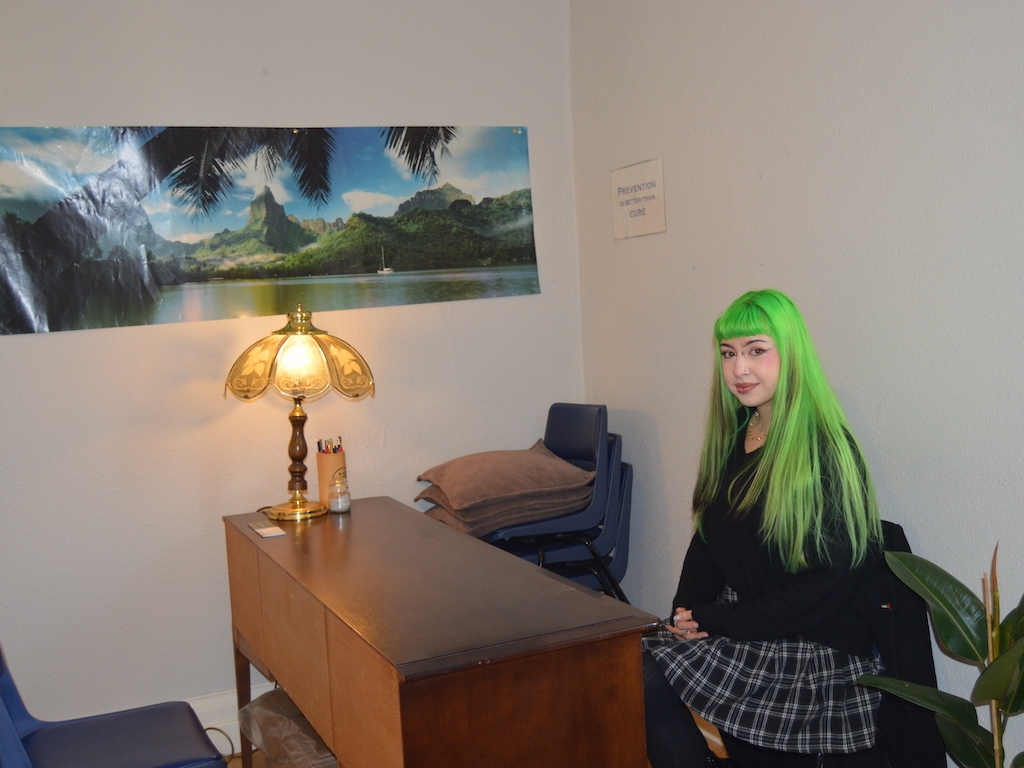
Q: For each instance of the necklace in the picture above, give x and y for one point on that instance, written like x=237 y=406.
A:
x=750 y=428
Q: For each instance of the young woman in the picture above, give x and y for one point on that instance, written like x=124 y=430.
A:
x=768 y=634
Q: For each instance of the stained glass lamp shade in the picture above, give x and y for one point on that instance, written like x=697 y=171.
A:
x=300 y=362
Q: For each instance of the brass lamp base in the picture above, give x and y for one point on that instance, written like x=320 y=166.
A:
x=297 y=509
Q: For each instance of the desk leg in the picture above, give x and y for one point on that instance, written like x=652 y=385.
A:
x=243 y=689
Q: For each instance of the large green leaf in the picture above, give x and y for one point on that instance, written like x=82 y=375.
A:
x=1010 y=628
x=1018 y=761
x=1011 y=631
x=958 y=710
x=1000 y=680
x=957 y=613
x=957 y=719
x=968 y=748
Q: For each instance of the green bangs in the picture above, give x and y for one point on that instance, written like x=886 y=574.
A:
x=743 y=318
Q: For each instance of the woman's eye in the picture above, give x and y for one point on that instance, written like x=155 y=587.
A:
x=727 y=354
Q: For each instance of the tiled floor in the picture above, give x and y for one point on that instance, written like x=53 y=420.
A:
x=257 y=761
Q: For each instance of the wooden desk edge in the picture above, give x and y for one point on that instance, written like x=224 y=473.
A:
x=416 y=670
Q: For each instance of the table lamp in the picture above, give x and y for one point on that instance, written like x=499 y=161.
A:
x=301 y=363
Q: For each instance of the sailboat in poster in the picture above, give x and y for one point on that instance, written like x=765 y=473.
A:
x=384 y=268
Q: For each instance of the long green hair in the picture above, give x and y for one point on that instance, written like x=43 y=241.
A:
x=809 y=439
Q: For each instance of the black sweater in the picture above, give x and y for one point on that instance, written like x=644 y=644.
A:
x=821 y=603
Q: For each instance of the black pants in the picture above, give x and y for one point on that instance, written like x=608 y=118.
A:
x=674 y=741
x=750 y=756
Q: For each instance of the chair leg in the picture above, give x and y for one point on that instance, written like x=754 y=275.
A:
x=608 y=579
x=604 y=575
x=599 y=570
x=540 y=551
x=616 y=592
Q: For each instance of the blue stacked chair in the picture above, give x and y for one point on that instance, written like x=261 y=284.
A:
x=159 y=736
x=582 y=545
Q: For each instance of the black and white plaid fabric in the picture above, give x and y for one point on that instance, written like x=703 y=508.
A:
x=791 y=695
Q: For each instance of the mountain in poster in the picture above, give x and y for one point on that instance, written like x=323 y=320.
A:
x=129 y=229
x=463 y=234
x=434 y=199
x=267 y=234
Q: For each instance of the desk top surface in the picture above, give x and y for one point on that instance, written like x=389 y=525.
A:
x=432 y=599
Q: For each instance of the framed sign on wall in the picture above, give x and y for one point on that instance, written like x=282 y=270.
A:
x=638 y=200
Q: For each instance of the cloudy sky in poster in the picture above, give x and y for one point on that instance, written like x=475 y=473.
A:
x=48 y=164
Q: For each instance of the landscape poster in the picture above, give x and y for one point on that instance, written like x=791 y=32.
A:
x=114 y=226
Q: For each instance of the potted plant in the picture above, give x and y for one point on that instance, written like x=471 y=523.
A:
x=969 y=629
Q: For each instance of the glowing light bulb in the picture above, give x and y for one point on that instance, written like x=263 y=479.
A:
x=301 y=368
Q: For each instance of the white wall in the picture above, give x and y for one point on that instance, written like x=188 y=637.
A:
x=119 y=454
x=868 y=159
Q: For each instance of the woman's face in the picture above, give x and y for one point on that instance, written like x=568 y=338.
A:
x=750 y=365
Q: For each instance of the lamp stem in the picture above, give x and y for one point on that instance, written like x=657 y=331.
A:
x=297 y=507
x=297 y=448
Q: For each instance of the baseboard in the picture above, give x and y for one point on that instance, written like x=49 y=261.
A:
x=220 y=710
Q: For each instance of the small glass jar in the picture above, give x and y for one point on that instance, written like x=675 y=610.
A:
x=338 y=497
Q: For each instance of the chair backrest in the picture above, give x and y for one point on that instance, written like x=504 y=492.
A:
x=12 y=752
x=614 y=475
x=620 y=555
x=576 y=432
x=605 y=536
x=899 y=623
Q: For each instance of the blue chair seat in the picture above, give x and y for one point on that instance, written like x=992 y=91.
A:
x=159 y=736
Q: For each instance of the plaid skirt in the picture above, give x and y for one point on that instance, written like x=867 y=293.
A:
x=791 y=695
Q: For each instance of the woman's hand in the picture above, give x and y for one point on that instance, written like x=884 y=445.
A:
x=684 y=627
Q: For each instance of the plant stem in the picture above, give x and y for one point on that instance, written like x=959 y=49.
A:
x=989 y=591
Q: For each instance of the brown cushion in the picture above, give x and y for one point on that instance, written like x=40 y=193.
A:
x=484 y=518
x=569 y=498
x=494 y=476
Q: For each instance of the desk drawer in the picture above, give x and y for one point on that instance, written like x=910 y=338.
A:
x=295 y=643
x=244 y=584
x=367 y=713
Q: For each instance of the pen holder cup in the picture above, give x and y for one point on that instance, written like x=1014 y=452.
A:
x=329 y=467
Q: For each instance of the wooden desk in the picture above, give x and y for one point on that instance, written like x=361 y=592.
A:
x=406 y=643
